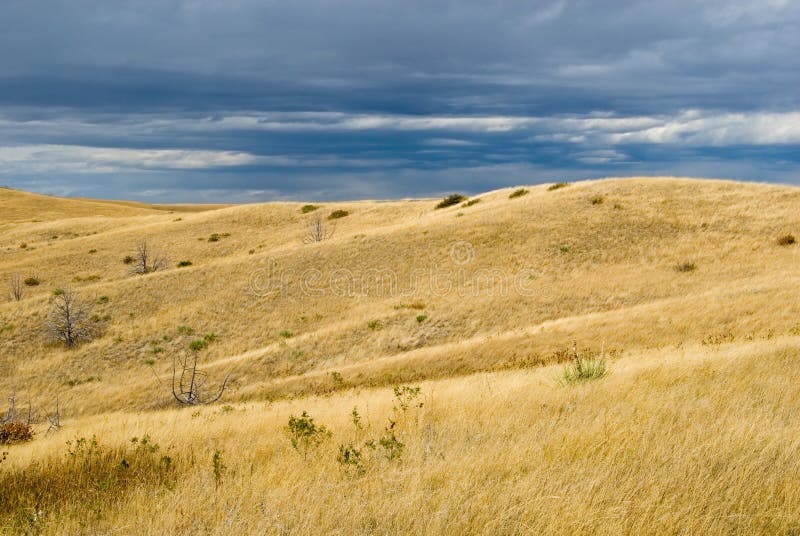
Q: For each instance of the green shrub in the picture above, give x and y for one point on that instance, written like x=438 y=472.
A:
x=127 y=259
x=351 y=459
x=102 y=299
x=405 y=396
x=686 y=267
x=450 y=200
x=392 y=447
x=216 y=237
x=557 y=186
x=305 y=434
x=308 y=208
x=472 y=202
x=375 y=325
x=421 y=318
x=597 y=200
x=32 y=281
x=336 y=214
x=198 y=345
x=286 y=334
x=518 y=193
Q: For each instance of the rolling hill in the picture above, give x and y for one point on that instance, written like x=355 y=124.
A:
x=690 y=288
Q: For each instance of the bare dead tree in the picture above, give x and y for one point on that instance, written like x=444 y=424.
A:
x=317 y=230
x=188 y=383
x=69 y=320
x=15 y=284
x=146 y=261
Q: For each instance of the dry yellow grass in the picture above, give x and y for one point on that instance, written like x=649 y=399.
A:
x=693 y=431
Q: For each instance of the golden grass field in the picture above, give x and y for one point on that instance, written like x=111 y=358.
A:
x=694 y=430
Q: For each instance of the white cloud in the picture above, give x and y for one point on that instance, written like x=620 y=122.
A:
x=81 y=159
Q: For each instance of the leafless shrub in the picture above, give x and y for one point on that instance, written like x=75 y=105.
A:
x=146 y=261
x=54 y=419
x=69 y=321
x=188 y=384
x=15 y=285
x=318 y=230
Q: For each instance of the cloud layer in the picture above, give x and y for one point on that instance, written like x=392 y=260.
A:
x=188 y=100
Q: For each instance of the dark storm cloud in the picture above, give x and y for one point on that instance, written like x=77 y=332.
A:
x=247 y=99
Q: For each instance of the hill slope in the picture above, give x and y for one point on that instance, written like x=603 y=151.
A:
x=503 y=283
x=682 y=283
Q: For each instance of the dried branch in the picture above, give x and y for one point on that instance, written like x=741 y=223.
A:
x=15 y=284
x=54 y=419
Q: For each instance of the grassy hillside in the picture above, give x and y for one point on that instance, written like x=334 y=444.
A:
x=683 y=284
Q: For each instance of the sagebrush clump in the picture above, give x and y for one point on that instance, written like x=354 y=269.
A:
x=450 y=200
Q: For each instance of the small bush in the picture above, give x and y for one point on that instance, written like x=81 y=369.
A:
x=472 y=202
x=518 y=193
x=375 y=325
x=32 y=281
x=308 y=208
x=787 y=240
x=15 y=432
x=198 y=345
x=450 y=200
x=183 y=264
x=201 y=344
x=421 y=318
x=686 y=267
x=336 y=214
x=286 y=334
x=128 y=259
x=405 y=396
x=351 y=459
x=23 y=245
x=305 y=434
x=92 y=251
x=89 y=278
x=557 y=186
x=216 y=237
x=392 y=447
x=597 y=200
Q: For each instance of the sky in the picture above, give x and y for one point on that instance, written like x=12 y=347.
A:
x=254 y=100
